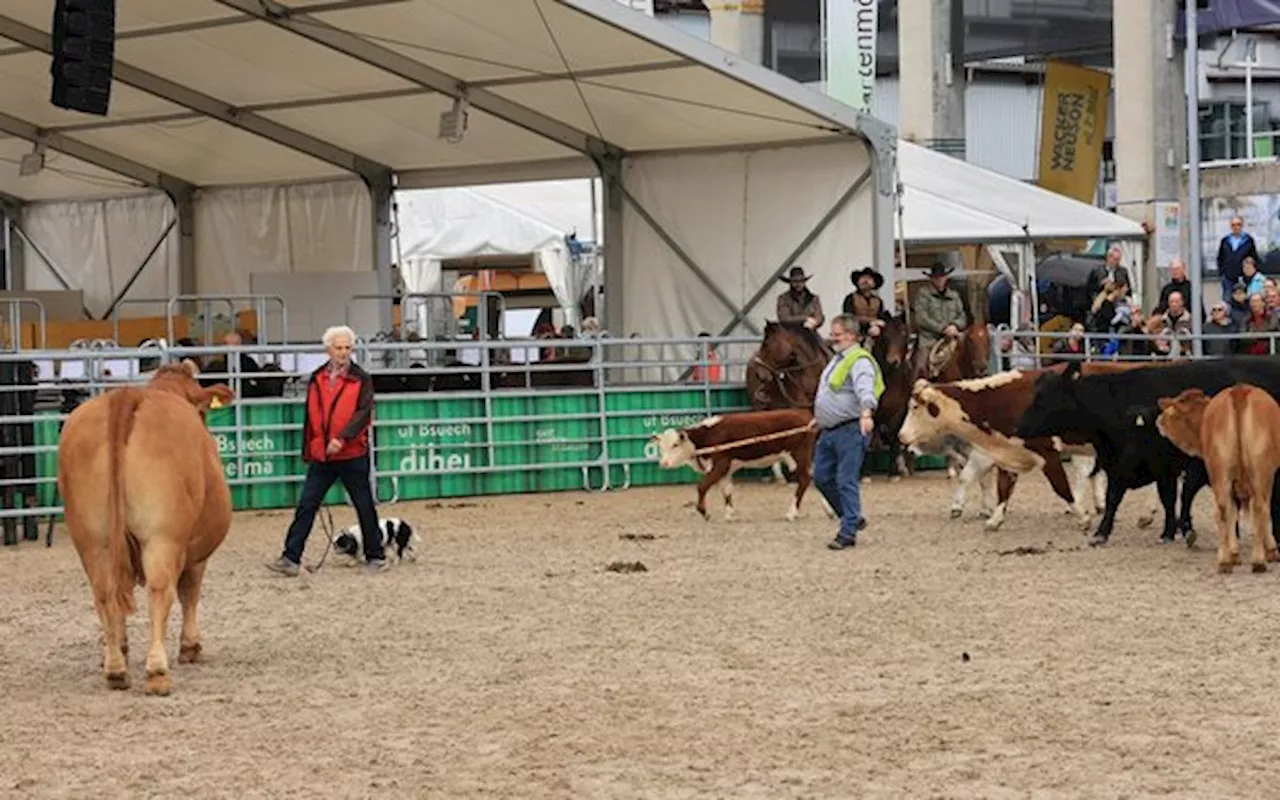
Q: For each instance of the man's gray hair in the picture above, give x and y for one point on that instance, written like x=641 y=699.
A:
x=846 y=321
x=335 y=332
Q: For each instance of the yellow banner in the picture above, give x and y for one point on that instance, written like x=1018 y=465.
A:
x=1072 y=128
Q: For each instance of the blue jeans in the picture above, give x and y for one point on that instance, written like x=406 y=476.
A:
x=354 y=474
x=1227 y=287
x=837 y=470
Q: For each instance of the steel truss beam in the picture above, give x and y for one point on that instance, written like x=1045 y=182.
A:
x=143 y=174
x=211 y=107
x=416 y=72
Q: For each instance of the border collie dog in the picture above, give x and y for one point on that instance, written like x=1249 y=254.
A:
x=398 y=537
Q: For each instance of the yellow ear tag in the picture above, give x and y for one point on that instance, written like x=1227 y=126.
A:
x=216 y=402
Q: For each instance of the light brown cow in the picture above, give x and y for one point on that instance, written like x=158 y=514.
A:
x=1237 y=433
x=146 y=503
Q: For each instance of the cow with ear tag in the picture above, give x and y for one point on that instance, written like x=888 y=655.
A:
x=146 y=503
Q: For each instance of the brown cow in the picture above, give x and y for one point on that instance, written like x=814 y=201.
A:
x=767 y=438
x=1237 y=433
x=146 y=503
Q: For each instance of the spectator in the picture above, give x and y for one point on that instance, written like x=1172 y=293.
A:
x=1071 y=348
x=1220 y=323
x=1177 y=283
x=1238 y=305
x=1259 y=322
x=1020 y=349
x=1254 y=281
x=1176 y=317
x=1234 y=248
x=1104 y=307
x=1110 y=271
x=711 y=372
x=1271 y=299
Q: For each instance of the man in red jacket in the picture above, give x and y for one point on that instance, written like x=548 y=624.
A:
x=335 y=446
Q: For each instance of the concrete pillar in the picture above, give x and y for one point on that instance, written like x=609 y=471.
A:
x=1150 y=118
x=738 y=26
x=931 y=78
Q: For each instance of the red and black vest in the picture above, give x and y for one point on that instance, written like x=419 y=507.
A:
x=341 y=409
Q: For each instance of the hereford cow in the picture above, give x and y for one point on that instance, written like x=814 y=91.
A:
x=719 y=446
x=984 y=412
x=146 y=503
x=1237 y=433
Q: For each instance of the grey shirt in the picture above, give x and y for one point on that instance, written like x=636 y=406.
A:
x=857 y=393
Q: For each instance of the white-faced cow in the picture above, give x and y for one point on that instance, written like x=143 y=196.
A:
x=146 y=502
x=719 y=446
x=1237 y=433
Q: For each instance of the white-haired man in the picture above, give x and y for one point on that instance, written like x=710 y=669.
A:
x=335 y=446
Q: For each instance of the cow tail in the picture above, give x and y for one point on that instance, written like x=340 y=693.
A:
x=1239 y=481
x=123 y=558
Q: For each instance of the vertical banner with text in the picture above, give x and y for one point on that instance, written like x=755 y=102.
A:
x=850 y=43
x=1072 y=128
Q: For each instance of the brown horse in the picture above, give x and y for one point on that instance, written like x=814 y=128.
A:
x=893 y=352
x=785 y=371
x=971 y=357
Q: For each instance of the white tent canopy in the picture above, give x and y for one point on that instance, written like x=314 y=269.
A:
x=436 y=225
x=231 y=104
x=949 y=201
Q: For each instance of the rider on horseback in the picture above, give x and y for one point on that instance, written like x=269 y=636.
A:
x=866 y=307
x=940 y=319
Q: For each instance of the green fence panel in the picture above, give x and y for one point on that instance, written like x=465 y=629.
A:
x=431 y=446
x=46 y=433
x=439 y=446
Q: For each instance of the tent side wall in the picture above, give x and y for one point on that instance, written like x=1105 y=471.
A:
x=97 y=245
x=739 y=216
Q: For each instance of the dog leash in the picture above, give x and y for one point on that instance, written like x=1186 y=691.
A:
x=326 y=524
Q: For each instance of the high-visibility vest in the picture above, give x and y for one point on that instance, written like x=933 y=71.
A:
x=847 y=360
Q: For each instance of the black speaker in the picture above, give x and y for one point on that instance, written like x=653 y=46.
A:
x=84 y=51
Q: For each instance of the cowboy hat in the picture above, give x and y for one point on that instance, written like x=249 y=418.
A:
x=876 y=277
x=795 y=274
x=940 y=269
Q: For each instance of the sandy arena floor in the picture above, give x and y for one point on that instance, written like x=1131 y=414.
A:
x=748 y=661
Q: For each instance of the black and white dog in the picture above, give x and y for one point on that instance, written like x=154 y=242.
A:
x=398 y=537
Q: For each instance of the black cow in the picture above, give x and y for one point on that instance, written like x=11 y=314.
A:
x=1116 y=412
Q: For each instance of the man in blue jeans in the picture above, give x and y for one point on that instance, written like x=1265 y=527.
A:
x=845 y=408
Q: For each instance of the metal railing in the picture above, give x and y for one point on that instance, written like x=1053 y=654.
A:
x=507 y=397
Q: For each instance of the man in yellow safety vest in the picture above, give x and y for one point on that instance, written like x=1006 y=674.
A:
x=845 y=408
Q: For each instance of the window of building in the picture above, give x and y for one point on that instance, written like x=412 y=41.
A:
x=1223 y=130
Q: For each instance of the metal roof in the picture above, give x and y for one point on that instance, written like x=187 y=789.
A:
x=236 y=92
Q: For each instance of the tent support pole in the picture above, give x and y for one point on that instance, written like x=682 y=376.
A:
x=155 y=248
x=683 y=256
x=381 y=188
x=741 y=315
x=17 y=228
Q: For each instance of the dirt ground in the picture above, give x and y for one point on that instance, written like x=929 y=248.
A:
x=747 y=661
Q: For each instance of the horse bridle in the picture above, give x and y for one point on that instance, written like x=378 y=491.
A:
x=781 y=374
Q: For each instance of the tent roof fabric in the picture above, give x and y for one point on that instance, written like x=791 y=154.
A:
x=238 y=92
x=949 y=201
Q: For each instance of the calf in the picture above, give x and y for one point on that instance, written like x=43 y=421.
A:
x=984 y=412
x=1237 y=433
x=719 y=446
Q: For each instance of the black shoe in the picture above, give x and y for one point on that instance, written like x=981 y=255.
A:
x=862 y=524
x=841 y=544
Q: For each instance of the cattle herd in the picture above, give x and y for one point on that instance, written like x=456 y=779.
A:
x=147 y=503
x=1123 y=426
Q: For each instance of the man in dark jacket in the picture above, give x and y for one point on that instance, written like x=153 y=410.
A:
x=1234 y=248
x=335 y=446
x=1177 y=283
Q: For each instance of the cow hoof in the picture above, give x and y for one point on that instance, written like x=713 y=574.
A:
x=1260 y=567
x=1225 y=569
x=118 y=681
x=992 y=524
x=1098 y=541
x=160 y=684
x=956 y=512
x=190 y=654
x=790 y=516
x=1273 y=555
